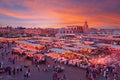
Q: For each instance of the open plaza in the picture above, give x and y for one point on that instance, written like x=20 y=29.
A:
x=50 y=58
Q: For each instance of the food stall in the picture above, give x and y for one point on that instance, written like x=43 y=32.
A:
x=55 y=54
x=111 y=48
x=87 y=49
x=58 y=50
x=28 y=45
x=18 y=50
x=40 y=58
x=74 y=49
x=88 y=42
x=29 y=54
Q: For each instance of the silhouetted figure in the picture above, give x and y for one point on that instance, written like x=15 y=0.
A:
x=13 y=71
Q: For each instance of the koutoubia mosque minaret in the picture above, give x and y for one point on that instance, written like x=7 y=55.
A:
x=85 y=27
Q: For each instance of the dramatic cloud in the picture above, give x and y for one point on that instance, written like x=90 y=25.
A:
x=60 y=13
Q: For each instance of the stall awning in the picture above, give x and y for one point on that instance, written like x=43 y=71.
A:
x=58 y=50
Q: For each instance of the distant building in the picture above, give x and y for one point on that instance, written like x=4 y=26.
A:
x=74 y=29
x=44 y=32
x=11 y=30
x=85 y=27
x=49 y=32
x=71 y=30
x=33 y=31
x=4 y=30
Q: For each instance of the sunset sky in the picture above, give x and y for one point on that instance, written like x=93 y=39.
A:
x=60 y=13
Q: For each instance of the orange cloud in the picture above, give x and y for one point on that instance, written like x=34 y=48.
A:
x=63 y=13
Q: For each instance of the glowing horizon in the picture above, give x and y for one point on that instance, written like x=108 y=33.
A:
x=55 y=13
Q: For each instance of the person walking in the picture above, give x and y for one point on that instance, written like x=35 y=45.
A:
x=38 y=67
x=21 y=68
x=17 y=69
x=13 y=61
x=28 y=73
x=64 y=77
x=9 y=72
x=14 y=71
x=1 y=64
x=55 y=76
x=25 y=76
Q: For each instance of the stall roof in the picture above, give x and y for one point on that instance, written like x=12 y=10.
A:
x=58 y=50
x=39 y=40
x=115 y=46
x=102 y=44
x=29 y=49
x=30 y=52
x=60 y=43
x=77 y=43
x=89 y=42
x=18 y=48
x=32 y=40
x=32 y=44
x=45 y=40
x=72 y=48
x=89 y=47
x=110 y=45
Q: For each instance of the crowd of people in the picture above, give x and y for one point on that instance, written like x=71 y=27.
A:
x=71 y=59
x=56 y=77
x=108 y=72
x=92 y=70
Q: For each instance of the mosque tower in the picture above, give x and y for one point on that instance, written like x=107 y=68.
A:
x=85 y=28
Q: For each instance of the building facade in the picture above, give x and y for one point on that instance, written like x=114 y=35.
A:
x=71 y=30
x=74 y=29
x=33 y=31
x=49 y=32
